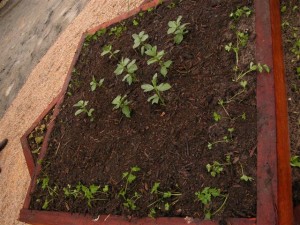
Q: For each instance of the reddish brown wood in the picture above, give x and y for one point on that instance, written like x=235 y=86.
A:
x=285 y=208
x=24 y=142
x=57 y=218
x=266 y=125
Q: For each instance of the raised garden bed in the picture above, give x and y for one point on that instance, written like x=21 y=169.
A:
x=207 y=119
x=290 y=12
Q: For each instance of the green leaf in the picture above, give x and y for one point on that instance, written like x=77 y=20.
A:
x=246 y=178
x=105 y=189
x=131 y=178
x=295 y=161
x=164 y=87
x=147 y=87
x=151 y=61
x=79 y=111
x=154 y=99
x=46 y=204
x=94 y=188
x=155 y=187
x=39 y=140
x=163 y=71
x=167 y=194
x=167 y=206
x=126 y=111
x=168 y=63
x=171 y=30
x=178 y=38
x=135 y=169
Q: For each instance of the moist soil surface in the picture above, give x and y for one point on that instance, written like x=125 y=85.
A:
x=168 y=143
x=291 y=26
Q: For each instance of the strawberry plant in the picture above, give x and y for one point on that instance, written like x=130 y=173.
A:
x=94 y=84
x=139 y=41
x=156 y=98
x=178 y=29
x=123 y=104
x=156 y=57
x=82 y=109
x=129 y=67
x=107 y=49
x=241 y=12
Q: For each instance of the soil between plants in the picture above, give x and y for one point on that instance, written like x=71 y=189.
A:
x=168 y=143
x=293 y=86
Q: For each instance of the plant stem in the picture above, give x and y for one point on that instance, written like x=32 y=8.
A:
x=223 y=204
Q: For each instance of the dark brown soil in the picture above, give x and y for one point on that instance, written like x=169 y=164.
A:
x=169 y=143
x=293 y=85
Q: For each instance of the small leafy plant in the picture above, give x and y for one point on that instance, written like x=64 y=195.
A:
x=51 y=191
x=156 y=57
x=94 y=84
x=240 y=12
x=156 y=98
x=217 y=117
x=130 y=178
x=139 y=41
x=296 y=49
x=253 y=67
x=107 y=49
x=295 y=161
x=178 y=29
x=117 y=30
x=129 y=67
x=123 y=104
x=86 y=192
x=215 y=168
x=244 y=177
x=162 y=201
x=205 y=197
x=82 y=109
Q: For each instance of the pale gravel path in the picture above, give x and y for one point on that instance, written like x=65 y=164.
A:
x=43 y=84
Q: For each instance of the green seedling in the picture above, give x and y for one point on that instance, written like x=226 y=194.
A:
x=117 y=30
x=283 y=8
x=253 y=67
x=130 y=178
x=51 y=191
x=135 y=22
x=211 y=144
x=295 y=8
x=178 y=29
x=101 y=32
x=94 y=84
x=171 y=5
x=295 y=161
x=156 y=57
x=85 y=192
x=158 y=89
x=285 y=24
x=163 y=201
x=128 y=67
x=225 y=139
x=107 y=49
x=215 y=168
x=217 y=117
x=296 y=49
x=240 y=12
x=244 y=177
x=82 y=109
x=123 y=104
x=139 y=41
x=205 y=197
x=298 y=71
x=242 y=40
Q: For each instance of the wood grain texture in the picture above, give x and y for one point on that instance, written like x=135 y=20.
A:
x=285 y=208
